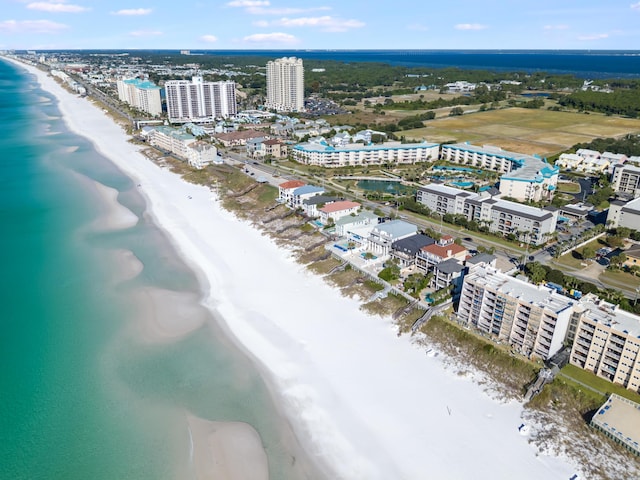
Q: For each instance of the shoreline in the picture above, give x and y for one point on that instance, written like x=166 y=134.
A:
x=154 y=324
x=325 y=362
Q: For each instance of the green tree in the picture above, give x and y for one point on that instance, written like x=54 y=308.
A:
x=588 y=251
x=536 y=272
x=555 y=276
x=618 y=260
x=391 y=272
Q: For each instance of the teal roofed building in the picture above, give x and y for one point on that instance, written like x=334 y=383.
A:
x=525 y=177
x=354 y=154
x=141 y=94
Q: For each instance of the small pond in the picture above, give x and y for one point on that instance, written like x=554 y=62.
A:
x=391 y=187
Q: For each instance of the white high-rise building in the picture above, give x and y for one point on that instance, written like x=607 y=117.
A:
x=285 y=85
x=141 y=94
x=198 y=101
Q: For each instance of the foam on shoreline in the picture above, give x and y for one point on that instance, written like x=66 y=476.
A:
x=363 y=401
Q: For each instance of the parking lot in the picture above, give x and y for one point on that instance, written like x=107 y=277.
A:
x=569 y=232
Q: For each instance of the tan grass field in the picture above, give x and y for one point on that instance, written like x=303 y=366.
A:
x=524 y=130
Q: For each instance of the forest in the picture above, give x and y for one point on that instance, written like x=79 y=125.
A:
x=625 y=102
x=628 y=145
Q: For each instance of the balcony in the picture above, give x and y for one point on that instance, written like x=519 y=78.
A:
x=588 y=327
x=613 y=356
x=614 y=347
x=584 y=344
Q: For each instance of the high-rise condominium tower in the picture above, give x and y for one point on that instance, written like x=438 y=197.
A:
x=199 y=101
x=143 y=95
x=285 y=85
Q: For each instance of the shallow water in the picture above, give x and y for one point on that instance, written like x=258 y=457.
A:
x=84 y=392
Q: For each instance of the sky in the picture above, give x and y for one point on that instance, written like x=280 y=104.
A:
x=320 y=24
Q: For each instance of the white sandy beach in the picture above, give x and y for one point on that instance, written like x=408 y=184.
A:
x=363 y=401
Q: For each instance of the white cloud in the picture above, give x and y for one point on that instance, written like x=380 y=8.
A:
x=595 y=36
x=263 y=7
x=56 y=7
x=276 y=37
x=325 y=23
x=249 y=3
x=31 y=26
x=556 y=27
x=470 y=26
x=133 y=11
x=635 y=6
x=284 y=11
x=209 y=38
x=145 y=33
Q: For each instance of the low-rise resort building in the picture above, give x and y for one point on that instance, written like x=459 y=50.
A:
x=325 y=155
x=527 y=178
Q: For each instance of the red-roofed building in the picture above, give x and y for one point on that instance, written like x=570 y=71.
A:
x=337 y=210
x=444 y=249
x=285 y=190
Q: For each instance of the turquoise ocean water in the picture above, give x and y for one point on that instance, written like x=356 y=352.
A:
x=80 y=396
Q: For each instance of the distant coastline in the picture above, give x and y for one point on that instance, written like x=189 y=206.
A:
x=591 y=64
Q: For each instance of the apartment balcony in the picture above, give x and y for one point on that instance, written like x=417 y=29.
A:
x=546 y=340
x=609 y=365
x=583 y=343
x=580 y=362
x=581 y=349
x=614 y=357
x=543 y=352
x=614 y=347
x=581 y=354
x=588 y=327
x=546 y=332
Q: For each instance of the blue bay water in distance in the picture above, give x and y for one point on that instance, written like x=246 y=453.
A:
x=595 y=64
x=81 y=396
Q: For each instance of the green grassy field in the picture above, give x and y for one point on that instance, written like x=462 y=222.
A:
x=571 y=260
x=598 y=383
x=568 y=187
x=623 y=279
x=524 y=130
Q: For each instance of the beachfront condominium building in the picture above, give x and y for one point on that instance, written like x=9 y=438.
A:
x=532 y=318
x=184 y=145
x=198 y=101
x=285 y=85
x=606 y=341
x=529 y=224
x=526 y=178
x=624 y=214
x=325 y=155
x=626 y=179
x=140 y=94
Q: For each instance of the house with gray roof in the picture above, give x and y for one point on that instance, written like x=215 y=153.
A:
x=384 y=234
x=481 y=260
x=449 y=272
x=303 y=193
x=311 y=205
x=406 y=249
